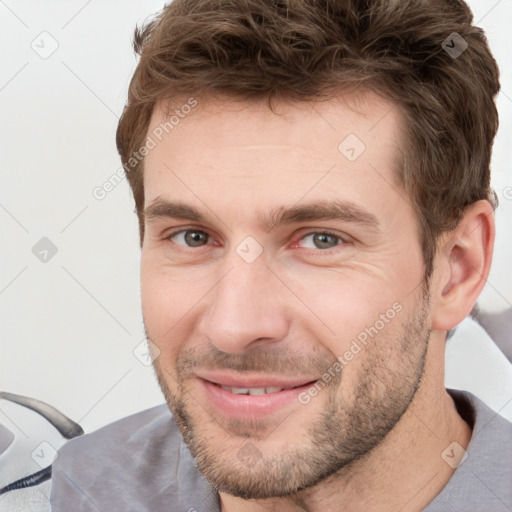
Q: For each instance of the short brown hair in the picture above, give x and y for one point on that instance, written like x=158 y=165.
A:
x=312 y=49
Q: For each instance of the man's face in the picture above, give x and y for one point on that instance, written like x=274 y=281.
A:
x=291 y=341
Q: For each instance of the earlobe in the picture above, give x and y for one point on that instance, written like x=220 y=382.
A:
x=463 y=265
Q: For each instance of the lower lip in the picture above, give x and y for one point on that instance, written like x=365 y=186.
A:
x=245 y=406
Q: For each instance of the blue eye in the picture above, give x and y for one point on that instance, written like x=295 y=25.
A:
x=322 y=240
x=190 y=238
x=318 y=240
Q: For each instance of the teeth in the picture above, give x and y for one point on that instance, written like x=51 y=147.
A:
x=256 y=391
x=252 y=391
x=273 y=390
x=240 y=391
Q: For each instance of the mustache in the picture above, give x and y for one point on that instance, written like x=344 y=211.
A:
x=280 y=361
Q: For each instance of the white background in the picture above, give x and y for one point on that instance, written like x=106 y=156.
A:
x=69 y=326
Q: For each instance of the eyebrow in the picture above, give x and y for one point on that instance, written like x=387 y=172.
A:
x=345 y=211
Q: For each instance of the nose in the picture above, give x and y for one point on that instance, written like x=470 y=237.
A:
x=245 y=309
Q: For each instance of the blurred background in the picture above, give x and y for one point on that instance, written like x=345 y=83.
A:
x=71 y=331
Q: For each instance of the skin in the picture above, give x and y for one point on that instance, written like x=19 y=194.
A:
x=372 y=438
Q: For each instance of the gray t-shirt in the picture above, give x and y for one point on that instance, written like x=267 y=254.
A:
x=141 y=463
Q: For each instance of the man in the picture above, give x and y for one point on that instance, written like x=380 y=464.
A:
x=312 y=184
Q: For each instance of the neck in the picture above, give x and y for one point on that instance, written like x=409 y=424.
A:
x=404 y=472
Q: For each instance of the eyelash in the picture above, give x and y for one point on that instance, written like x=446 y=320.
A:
x=341 y=240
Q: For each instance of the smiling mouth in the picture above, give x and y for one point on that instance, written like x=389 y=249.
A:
x=258 y=391
x=251 y=396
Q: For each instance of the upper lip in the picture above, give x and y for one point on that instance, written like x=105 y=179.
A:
x=235 y=380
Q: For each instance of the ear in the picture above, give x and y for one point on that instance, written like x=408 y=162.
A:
x=462 y=265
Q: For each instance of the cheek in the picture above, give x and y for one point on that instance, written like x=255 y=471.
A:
x=167 y=304
x=351 y=309
x=344 y=302
x=173 y=300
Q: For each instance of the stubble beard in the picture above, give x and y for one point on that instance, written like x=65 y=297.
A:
x=352 y=423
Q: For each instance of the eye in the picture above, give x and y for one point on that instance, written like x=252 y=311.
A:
x=320 y=240
x=190 y=238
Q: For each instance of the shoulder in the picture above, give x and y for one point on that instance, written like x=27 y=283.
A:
x=138 y=463
x=491 y=430
x=482 y=481
x=137 y=432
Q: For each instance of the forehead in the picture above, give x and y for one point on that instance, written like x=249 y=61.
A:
x=234 y=150
x=365 y=114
